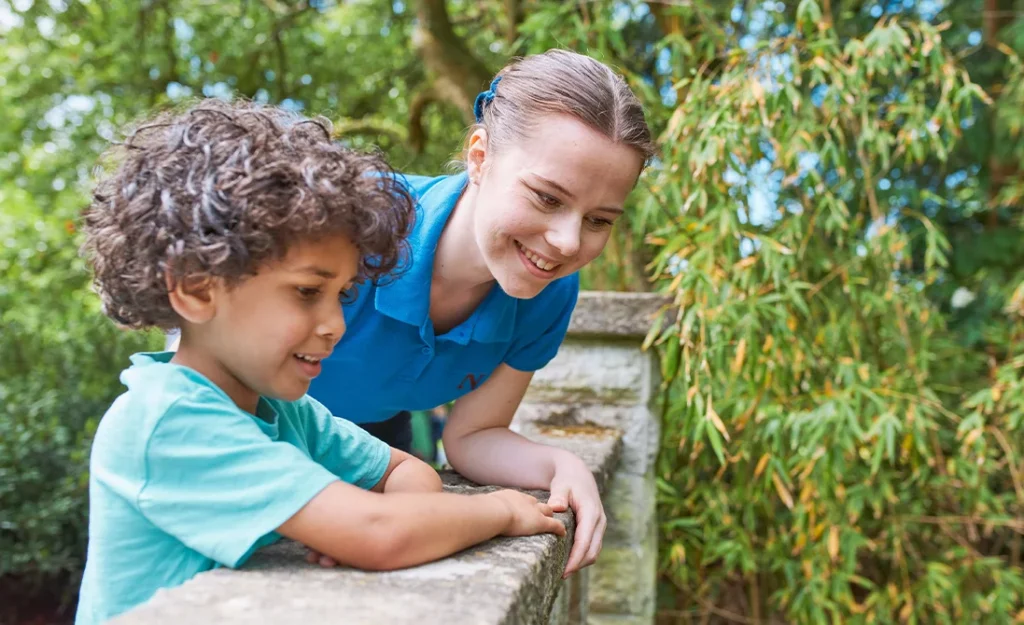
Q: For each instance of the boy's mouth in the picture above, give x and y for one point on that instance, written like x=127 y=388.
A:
x=309 y=364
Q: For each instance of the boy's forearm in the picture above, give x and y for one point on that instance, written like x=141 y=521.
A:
x=388 y=531
x=443 y=524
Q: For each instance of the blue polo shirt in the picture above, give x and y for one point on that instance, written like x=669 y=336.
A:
x=390 y=359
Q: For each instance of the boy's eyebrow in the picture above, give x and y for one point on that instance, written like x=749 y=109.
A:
x=318 y=271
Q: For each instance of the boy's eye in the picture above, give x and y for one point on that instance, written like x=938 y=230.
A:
x=349 y=295
x=308 y=292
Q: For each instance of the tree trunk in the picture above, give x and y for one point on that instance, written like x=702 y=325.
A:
x=454 y=74
x=997 y=15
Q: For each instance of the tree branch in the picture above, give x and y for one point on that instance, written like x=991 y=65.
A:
x=455 y=75
x=514 y=13
x=417 y=135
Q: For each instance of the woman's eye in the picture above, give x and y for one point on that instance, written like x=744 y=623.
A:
x=598 y=222
x=548 y=200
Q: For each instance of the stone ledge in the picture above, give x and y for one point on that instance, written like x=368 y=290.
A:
x=613 y=314
x=502 y=581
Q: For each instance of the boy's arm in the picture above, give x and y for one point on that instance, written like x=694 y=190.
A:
x=376 y=531
x=408 y=474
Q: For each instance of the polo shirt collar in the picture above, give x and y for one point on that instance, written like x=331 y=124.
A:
x=407 y=298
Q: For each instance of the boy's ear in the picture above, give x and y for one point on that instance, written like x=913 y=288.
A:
x=476 y=155
x=192 y=297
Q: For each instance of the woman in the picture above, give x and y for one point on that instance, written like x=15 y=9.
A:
x=560 y=142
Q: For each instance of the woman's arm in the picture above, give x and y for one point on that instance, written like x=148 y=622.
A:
x=480 y=446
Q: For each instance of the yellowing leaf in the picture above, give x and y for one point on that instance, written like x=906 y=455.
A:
x=761 y=464
x=716 y=421
x=833 y=543
x=757 y=90
x=678 y=554
x=741 y=352
x=768 y=342
x=862 y=373
x=784 y=493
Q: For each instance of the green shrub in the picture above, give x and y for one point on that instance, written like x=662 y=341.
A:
x=59 y=364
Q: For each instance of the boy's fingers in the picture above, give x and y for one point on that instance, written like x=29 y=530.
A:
x=312 y=557
x=558 y=528
x=545 y=509
x=327 y=562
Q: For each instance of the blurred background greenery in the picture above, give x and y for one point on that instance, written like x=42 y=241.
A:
x=836 y=211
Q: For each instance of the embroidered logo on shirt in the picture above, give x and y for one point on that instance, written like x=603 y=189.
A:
x=473 y=380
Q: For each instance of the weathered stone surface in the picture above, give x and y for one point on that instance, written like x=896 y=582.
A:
x=579 y=597
x=502 y=581
x=560 y=609
x=620 y=619
x=594 y=372
x=639 y=426
x=628 y=315
x=629 y=502
x=623 y=580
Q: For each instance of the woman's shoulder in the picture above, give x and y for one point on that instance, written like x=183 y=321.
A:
x=416 y=184
x=419 y=186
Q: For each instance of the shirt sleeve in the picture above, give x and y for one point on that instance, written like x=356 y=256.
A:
x=345 y=449
x=544 y=328
x=216 y=482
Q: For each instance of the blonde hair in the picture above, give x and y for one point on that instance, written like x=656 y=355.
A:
x=562 y=82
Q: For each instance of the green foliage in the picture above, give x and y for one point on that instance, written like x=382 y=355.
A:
x=842 y=436
x=836 y=212
x=59 y=361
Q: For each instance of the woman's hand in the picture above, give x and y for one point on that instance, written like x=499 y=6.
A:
x=573 y=486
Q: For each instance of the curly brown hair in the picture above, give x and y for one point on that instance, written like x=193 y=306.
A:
x=221 y=188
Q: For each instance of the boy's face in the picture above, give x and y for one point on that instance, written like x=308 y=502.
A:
x=267 y=334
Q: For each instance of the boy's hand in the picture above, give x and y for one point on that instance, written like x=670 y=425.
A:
x=527 y=516
x=573 y=485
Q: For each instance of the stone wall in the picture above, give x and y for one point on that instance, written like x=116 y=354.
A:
x=595 y=399
x=601 y=377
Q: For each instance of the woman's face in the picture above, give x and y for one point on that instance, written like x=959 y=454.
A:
x=545 y=204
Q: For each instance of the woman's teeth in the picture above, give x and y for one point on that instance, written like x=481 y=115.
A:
x=537 y=260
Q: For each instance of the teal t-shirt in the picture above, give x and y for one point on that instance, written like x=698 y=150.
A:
x=182 y=480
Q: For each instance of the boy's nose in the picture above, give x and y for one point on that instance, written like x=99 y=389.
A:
x=333 y=327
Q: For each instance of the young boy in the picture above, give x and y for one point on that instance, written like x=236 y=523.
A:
x=243 y=226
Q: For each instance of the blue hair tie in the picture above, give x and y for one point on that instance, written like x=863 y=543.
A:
x=485 y=98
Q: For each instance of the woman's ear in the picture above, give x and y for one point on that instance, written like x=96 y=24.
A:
x=192 y=297
x=476 y=155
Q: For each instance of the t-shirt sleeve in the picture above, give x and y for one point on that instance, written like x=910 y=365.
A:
x=216 y=482
x=542 y=335
x=345 y=449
